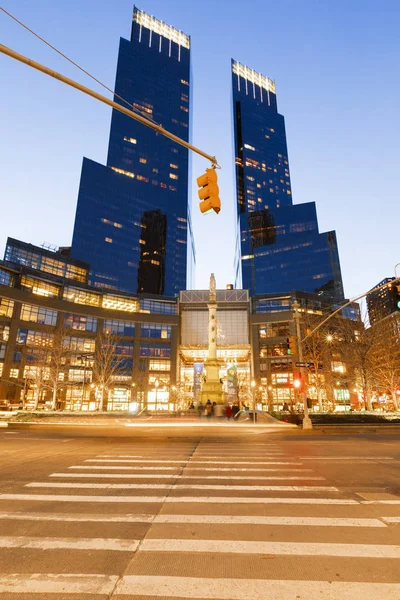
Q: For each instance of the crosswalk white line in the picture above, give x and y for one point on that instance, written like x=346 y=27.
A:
x=391 y=520
x=178 y=476
x=248 y=520
x=252 y=589
x=48 y=543
x=84 y=518
x=198 y=519
x=180 y=462
x=183 y=486
x=380 y=501
x=175 y=499
x=189 y=468
x=196 y=455
x=57 y=584
x=277 y=548
x=373 y=458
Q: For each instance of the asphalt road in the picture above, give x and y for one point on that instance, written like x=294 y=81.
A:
x=227 y=513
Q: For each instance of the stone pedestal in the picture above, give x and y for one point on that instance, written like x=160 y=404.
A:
x=212 y=388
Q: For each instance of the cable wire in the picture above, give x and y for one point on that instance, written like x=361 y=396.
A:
x=75 y=64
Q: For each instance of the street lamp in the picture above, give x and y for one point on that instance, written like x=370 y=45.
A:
x=253 y=385
x=156 y=384
x=329 y=337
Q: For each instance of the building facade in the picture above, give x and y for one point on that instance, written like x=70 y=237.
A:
x=132 y=221
x=384 y=302
x=279 y=246
x=49 y=322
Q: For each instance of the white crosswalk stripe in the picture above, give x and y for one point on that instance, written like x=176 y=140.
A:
x=100 y=514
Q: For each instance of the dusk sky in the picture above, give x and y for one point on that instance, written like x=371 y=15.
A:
x=336 y=67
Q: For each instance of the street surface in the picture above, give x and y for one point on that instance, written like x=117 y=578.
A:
x=227 y=514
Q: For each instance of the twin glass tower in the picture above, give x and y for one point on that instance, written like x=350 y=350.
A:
x=132 y=221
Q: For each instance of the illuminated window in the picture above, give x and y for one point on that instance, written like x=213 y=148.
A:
x=122 y=172
x=109 y=240
x=184 y=82
x=39 y=288
x=81 y=296
x=6 y=307
x=80 y=322
x=159 y=365
x=184 y=108
x=338 y=367
x=141 y=178
x=130 y=140
x=143 y=160
x=120 y=303
x=173 y=176
x=119 y=327
x=161 y=28
x=79 y=344
x=14 y=373
x=37 y=314
x=173 y=166
x=249 y=147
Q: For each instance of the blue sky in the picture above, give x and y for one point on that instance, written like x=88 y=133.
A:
x=336 y=67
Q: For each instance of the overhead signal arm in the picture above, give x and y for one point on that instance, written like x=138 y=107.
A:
x=213 y=199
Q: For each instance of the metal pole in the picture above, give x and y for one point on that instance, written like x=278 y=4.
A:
x=89 y=92
x=307 y=424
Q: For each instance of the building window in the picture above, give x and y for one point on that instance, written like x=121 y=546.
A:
x=278 y=329
x=338 y=367
x=130 y=140
x=81 y=296
x=3 y=350
x=159 y=365
x=120 y=303
x=83 y=375
x=143 y=160
x=6 y=307
x=155 y=350
x=79 y=344
x=38 y=314
x=5 y=277
x=33 y=338
x=14 y=373
x=80 y=322
x=157 y=307
x=156 y=331
x=39 y=287
x=119 y=327
x=124 y=348
x=173 y=176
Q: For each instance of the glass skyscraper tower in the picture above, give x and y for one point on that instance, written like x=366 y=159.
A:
x=279 y=247
x=132 y=221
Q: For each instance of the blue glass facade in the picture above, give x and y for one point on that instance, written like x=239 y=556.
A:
x=279 y=247
x=132 y=221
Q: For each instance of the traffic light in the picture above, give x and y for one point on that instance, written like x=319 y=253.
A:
x=394 y=290
x=291 y=345
x=209 y=192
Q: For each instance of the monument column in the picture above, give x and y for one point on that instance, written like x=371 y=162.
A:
x=212 y=387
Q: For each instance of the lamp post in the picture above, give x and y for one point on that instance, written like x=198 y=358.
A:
x=307 y=424
x=253 y=385
x=156 y=384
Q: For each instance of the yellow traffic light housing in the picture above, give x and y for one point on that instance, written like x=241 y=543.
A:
x=291 y=345
x=209 y=192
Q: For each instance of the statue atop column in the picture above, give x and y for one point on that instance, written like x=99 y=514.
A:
x=213 y=295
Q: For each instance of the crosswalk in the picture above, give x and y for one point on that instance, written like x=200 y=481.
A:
x=215 y=519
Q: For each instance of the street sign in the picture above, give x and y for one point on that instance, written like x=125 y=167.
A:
x=304 y=364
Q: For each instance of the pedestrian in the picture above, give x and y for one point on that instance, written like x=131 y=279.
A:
x=228 y=412
x=208 y=409
x=235 y=410
x=285 y=406
x=214 y=404
x=200 y=409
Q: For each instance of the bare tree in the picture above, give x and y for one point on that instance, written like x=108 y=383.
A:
x=107 y=365
x=386 y=356
x=36 y=373
x=358 y=348
x=57 y=355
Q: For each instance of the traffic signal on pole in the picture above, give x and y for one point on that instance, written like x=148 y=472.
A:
x=395 y=291
x=209 y=192
x=291 y=344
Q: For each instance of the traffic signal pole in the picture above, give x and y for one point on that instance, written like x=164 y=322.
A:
x=93 y=94
x=307 y=424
